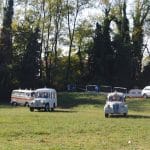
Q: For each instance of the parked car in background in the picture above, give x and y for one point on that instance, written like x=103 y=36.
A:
x=45 y=98
x=115 y=104
x=120 y=89
x=105 y=89
x=146 y=92
x=21 y=97
x=92 y=88
x=137 y=93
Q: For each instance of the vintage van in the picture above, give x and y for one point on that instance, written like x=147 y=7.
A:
x=45 y=98
x=21 y=97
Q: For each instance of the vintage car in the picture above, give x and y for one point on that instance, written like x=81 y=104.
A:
x=115 y=104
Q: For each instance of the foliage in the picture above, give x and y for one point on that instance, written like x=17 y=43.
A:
x=30 y=65
x=6 y=50
x=116 y=56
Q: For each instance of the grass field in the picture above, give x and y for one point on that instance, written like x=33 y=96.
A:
x=77 y=124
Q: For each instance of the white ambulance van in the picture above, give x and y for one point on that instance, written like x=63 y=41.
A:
x=21 y=97
x=45 y=98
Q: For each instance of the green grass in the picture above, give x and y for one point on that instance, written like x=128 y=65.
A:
x=77 y=124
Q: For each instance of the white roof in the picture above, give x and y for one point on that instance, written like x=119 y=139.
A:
x=147 y=87
x=115 y=93
x=23 y=90
x=45 y=90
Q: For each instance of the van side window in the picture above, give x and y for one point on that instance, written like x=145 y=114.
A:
x=54 y=95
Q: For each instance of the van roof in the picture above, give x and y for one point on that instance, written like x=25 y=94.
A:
x=23 y=90
x=45 y=90
x=148 y=87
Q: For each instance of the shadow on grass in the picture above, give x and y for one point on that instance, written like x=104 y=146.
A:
x=139 y=116
x=56 y=111
x=74 y=99
x=139 y=105
x=131 y=116
x=68 y=100
x=6 y=105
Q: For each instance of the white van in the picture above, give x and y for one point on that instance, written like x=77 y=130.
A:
x=45 y=98
x=21 y=97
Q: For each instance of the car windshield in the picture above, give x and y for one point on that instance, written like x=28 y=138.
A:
x=120 y=89
x=116 y=98
x=41 y=95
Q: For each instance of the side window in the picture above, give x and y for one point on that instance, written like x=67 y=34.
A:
x=32 y=94
x=14 y=93
x=28 y=94
x=46 y=95
x=50 y=95
x=53 y=95
x=22 y=94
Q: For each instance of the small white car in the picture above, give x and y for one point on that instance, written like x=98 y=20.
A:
x=115 y=104
x=146 y=92
x=45 y=98
x=136 y=93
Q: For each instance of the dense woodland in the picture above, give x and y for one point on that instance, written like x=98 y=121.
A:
x=54 y=43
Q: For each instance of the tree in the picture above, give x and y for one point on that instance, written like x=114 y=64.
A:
x=83 y=36
x=6 y=49
x=6 y=34
x=73 y=10
x=30 y=67
x=121 y=44
x=101 y=57
x=142 y=9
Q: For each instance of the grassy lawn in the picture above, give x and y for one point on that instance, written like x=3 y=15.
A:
x=77 y=124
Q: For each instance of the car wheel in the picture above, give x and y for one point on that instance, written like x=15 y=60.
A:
x=125 y=114
x=145 y=96
x=47 y=107
x=38 y=109
x=31 y=109
x=26 y=104
x=14 y=104
x=52 y=109
x=106 y=115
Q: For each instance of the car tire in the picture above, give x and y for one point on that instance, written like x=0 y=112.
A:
x=14 y=104
x=26 y=104
x=106 y=115
x=52 y=109
x=38 y=109
x=125 y=114
x=145 y=96
x=47 y=107
x=31 y=109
